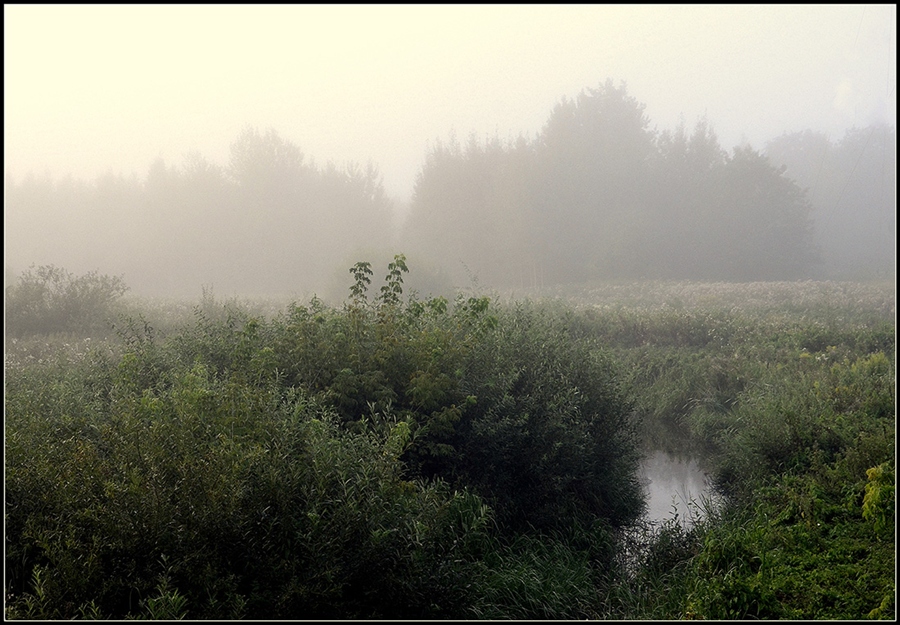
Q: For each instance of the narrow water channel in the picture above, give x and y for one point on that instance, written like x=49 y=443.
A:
x=675 y=485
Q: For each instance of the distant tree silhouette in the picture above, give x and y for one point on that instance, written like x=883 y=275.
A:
x=597 y=195
x=852 y=188
x=268 y=222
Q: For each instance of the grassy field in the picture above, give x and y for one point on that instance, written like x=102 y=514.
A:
x=395 y=458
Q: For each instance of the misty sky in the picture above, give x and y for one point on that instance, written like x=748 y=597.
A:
x=91 y=89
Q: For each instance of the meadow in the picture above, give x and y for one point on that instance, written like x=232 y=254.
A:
x=474 y=457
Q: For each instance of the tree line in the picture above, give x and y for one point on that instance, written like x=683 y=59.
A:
x=271 y=221
x=852 y=184
x=597 y=194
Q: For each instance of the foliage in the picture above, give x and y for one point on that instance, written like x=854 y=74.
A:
x=256 y=498
x=549 y=436
x=793 y=404
x=878 y=502
x=393 y=282
x=803 y=551
x=324 y=463
x=49 y=299
x=596 y=194
x=464 y=459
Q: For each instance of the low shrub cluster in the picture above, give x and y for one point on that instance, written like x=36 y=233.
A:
x=49 y=299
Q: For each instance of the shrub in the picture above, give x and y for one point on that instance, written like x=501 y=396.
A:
x=549 y=434
x=49 y=299
x=210 y=498
x=508 y=401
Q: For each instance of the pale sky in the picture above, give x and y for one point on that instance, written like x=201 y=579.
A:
x=94 y=88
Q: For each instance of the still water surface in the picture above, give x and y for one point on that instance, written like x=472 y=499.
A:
x=675 y=484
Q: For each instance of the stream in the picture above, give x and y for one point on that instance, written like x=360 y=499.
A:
x=675 y=484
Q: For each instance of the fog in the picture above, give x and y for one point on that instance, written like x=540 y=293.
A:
x=264 y=149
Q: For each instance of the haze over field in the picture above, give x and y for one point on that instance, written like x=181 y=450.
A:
x=92 y=90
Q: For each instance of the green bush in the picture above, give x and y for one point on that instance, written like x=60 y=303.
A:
x=330 y=463
x=507 y=401
x=549 y=435
x=246 y=502
x=49 y=299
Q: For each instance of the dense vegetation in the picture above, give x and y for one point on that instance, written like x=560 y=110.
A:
x=475 y=458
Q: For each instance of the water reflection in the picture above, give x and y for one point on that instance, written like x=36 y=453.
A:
x=675 y=484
